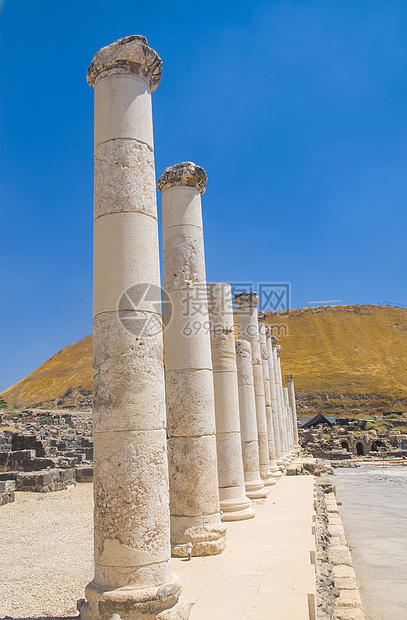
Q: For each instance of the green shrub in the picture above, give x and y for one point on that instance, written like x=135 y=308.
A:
x=371 y=425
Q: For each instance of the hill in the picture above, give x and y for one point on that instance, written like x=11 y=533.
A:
x=346 y=360
x=64 y=379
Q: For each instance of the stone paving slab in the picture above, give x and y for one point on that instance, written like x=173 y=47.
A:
x=265 y=571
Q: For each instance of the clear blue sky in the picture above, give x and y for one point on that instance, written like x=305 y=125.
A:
x=297 y=110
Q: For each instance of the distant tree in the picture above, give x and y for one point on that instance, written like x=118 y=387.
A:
x=3 y=404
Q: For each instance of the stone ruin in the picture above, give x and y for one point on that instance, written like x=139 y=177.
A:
x=175 y=454
x=46 y=451
x=345 y=445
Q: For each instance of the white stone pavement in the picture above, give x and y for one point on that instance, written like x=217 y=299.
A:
x=265 y=571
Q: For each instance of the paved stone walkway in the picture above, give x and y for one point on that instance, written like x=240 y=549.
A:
x=265 y=572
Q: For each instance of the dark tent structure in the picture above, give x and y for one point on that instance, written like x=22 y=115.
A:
x=318 y=419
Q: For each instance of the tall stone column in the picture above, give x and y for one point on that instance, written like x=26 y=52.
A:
x=279 y=395
x=233 y=501
x=248 y=329
x=274 y=468
x=289 y=418
x=194 y=493
x=283 y=406
x=133 y=575
x=273 y=396
x=289 y=380
x=248 y=424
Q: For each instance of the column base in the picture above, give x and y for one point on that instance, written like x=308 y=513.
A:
x=259 y=494
x=237 y=510
x=207 y=535
x=257 y=490
x=154 y=603
x=277 y=474
x=269 y=482
x=267 y=477
x=275 y=470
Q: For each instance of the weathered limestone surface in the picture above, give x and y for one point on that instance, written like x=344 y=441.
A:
x=133 y=575
x=279 y=395
x=289 y=420
x=248 y=329
x=233 y=501
x=248 y=424
x=274 y=468
x=284 y=413
x=289 y=380
x=273 y=396
x=194 y=493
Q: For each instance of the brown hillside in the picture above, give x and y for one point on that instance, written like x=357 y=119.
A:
x=70 y=368
x=345 y=354
x=351 y=358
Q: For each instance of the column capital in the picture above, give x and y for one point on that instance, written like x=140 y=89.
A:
x=274 y=340
x=186 y=173
x=246 y=299
x=279 y=348
x=129 y=55
x=261 y=316
x=289 y=378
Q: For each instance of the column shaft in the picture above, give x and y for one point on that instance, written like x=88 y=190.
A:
x=273 y=394
x=289 y=380
x=248 y=424
x=194 y=493
x=274 y=468
x=248 y=329
x=233 y=501
x=280 y=412
x=290 y=429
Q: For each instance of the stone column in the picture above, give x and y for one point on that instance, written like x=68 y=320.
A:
x=133 y=575
x=248 y=425
x=233 y=501
x=289 y=380
x=248 y=329
x=274 y=468
x=273 y=396
x=194 y=493
x=283 y=406
x=289 y=417
x=279 y=395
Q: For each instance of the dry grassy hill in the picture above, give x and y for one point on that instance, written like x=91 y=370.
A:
x=346 y=359
x=66 y=378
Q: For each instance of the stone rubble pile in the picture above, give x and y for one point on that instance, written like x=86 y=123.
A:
x=46 y=451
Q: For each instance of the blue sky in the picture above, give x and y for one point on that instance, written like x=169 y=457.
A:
x=297 y=110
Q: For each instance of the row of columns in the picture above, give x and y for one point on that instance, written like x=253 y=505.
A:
x=173 y=458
